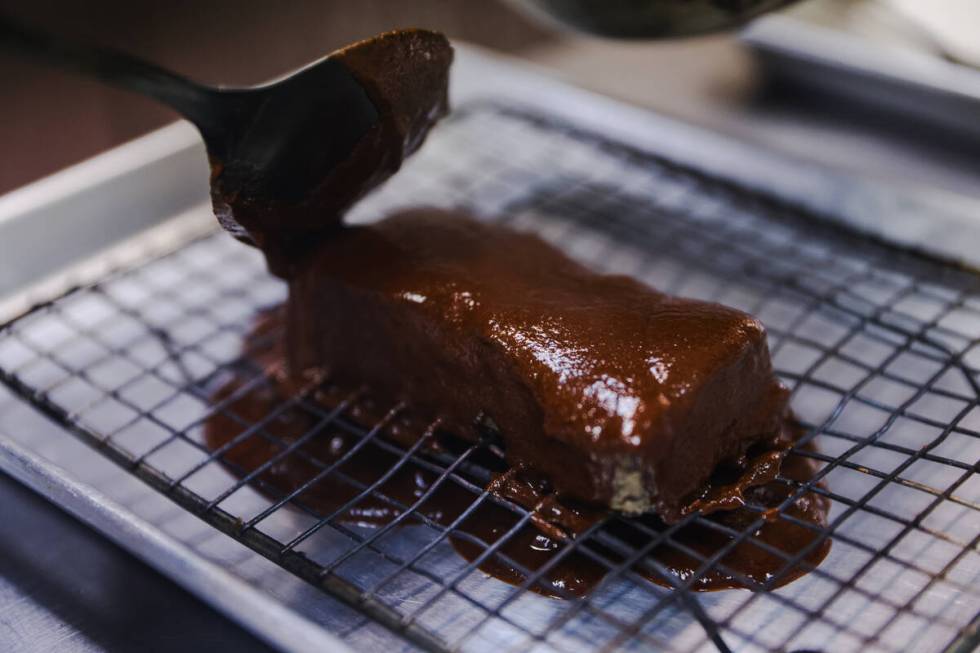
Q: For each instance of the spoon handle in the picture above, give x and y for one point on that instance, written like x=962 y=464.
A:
x=194 y=101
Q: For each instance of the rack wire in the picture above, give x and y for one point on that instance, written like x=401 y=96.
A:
x=880 y=346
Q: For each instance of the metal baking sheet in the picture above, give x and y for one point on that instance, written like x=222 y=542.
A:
x=263 y=597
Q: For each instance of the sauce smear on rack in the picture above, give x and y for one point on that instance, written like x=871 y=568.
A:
x=517 y=526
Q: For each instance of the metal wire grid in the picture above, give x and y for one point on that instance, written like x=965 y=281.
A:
x=879 y=346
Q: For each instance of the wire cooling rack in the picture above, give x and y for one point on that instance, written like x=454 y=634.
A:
x=881 y=348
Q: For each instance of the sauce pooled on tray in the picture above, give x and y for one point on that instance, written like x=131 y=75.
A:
x=554 y=522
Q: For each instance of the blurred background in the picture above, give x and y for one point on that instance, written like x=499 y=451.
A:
x=777 y=85
x=49 y=119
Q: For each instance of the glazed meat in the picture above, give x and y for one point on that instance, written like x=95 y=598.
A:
x=617 y=394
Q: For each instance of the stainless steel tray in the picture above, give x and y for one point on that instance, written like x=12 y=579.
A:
x=830 y=57
x=297 y=616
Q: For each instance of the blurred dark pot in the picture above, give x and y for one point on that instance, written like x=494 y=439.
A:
x=643 y=19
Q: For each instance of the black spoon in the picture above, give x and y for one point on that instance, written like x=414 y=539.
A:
x=288 y=157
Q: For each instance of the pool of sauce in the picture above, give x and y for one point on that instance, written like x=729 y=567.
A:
x=554 y=523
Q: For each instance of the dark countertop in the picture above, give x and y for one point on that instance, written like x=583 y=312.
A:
x=64 y=587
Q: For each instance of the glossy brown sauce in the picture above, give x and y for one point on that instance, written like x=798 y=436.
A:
x=599 y=384
x=553 y=524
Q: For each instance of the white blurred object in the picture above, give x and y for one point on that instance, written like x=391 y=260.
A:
x=953 y=24
x=869 y=53
x=945 y=28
